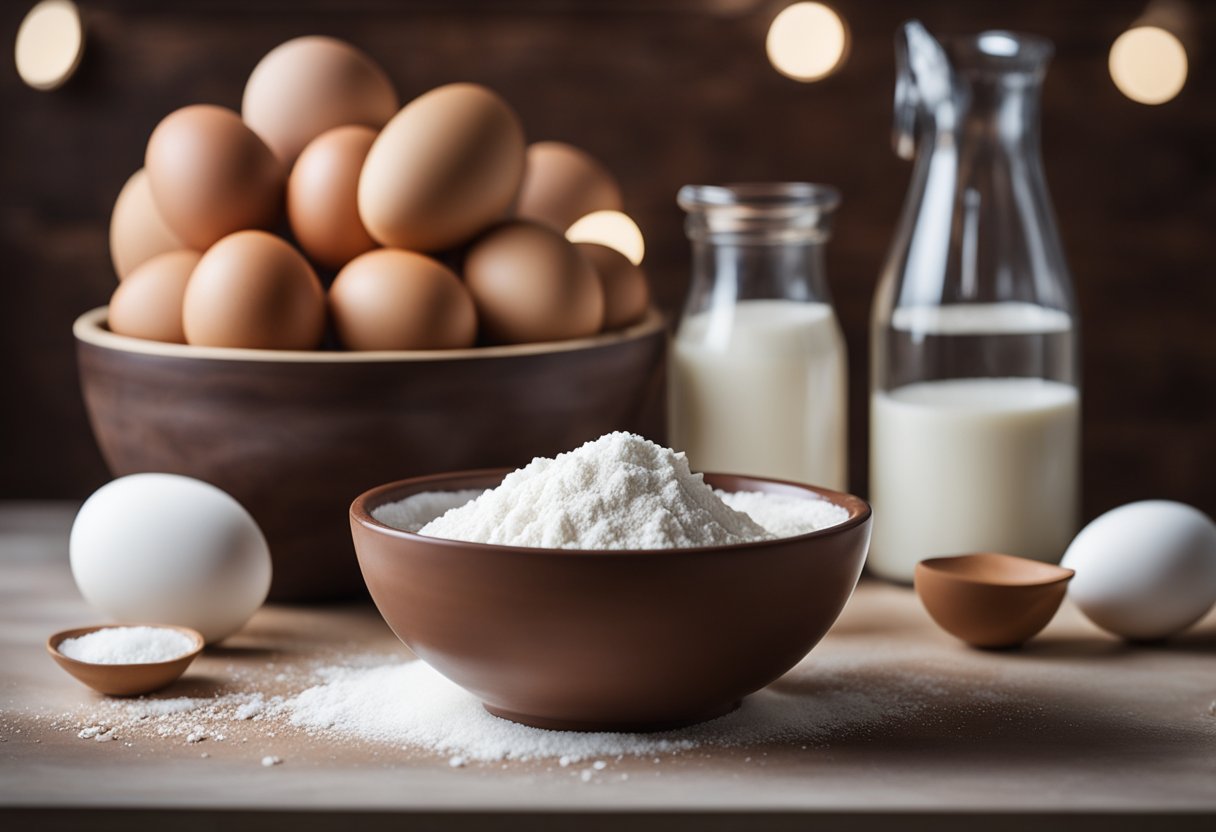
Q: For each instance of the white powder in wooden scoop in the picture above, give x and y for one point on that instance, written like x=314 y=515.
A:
x=127 y=645
x=618 y=492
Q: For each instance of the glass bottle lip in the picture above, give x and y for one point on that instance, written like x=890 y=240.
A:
x=759 y=197
x=786 y=209
x=1000 y=50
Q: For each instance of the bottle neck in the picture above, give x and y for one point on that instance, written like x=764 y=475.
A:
x=977 y=225
x=1001 y=114
x=761 y=241
x=727 y=269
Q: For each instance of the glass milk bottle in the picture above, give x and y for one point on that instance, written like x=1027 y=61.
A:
x=975 y=408
x=758 y=360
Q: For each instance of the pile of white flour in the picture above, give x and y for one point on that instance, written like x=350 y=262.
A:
x=782 y=515
x=618 y=492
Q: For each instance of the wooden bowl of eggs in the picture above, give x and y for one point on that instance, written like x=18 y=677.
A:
x=327 y=290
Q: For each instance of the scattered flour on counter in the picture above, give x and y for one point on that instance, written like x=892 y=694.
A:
x=254 y=707
x=617 y=492
x=127 y=645
x=411 y=705
x=96 y=732
x=186 y=718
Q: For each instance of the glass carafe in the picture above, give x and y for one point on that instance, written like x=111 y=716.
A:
x=975 y=408
x=758 y=360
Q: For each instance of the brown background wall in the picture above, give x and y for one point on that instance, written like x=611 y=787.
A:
x=666 y=92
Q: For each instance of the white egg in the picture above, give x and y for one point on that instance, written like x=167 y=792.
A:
x=1145 y=570
x=167 y=549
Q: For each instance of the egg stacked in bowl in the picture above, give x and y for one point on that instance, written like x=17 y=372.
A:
x=326 y=215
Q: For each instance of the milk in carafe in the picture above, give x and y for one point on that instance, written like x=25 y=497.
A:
x=975 y=414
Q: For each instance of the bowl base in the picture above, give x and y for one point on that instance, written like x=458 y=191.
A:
x=610 y=726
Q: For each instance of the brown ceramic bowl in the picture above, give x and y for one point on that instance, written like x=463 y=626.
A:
x=292 y=435
x=124 y=679
x=609 y=640
x=991 y=600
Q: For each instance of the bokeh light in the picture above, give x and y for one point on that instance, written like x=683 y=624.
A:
x=50 y=43
x=807 y=41
x=612 y=229
x=1148 y=64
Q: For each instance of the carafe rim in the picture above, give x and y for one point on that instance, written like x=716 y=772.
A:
x=1001 y=51
x=759 y=198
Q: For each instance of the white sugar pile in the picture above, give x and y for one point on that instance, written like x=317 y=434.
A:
x=128 y=645
x=618 y=492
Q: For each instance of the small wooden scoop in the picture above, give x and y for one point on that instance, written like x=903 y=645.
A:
x=124 y=679
x=991 y=600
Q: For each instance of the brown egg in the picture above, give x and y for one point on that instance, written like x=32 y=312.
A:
x=446 y=167
x=563 y=183
x=137 y=230
x=148 y=304
x=391 y=299
x=252 y=289
x=322 y=205
x=626 y=291
x=211 y=175
x=529 y=284
x=308 y=85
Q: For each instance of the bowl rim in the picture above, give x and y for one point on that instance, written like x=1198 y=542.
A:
x=1052 y=573
x=90 y=328
x=859 y=514
x=55 y=639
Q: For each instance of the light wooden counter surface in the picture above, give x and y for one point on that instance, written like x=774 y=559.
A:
x=1076 y=730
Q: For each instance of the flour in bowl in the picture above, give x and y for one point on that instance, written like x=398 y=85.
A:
x=618 y=492
x=412 y=513
x=784 y=515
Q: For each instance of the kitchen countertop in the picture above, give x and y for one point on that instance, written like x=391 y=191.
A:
x=910 y=730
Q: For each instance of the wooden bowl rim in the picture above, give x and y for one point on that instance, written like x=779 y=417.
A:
x=1049 y=574
x=859 y=514
x=55 y=639
x=90 y=328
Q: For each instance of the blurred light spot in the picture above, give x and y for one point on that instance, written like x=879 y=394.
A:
x=1148 y=64
x=612 y=229
x=807 y=41
x=50 y=42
